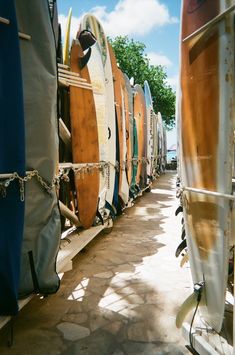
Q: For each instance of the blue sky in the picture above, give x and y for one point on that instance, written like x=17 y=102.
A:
x=152 y=22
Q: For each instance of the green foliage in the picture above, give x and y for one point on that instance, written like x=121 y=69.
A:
x=134 y=62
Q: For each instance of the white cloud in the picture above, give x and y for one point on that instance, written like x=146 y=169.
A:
x=159 y=59
x=173 y=81
x=130 y=17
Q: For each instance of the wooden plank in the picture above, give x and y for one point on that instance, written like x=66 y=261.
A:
x=64 y=133
x=76 y=243
x=24 y=36
x=5 y=21
x=75 y=81
x=206 y=341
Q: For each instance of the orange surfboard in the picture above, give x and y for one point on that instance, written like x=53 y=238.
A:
x=128 y=133
x=121 y=122
x=85 y=146
x=139 y=114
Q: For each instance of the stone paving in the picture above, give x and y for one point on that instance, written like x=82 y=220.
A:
x=123 y=293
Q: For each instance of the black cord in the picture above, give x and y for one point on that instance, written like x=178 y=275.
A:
x=191 y=325
x=198 y=288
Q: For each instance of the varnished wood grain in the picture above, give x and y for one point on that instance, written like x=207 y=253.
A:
x=85 y=144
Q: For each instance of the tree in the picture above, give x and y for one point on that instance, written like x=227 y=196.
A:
x=134 y=62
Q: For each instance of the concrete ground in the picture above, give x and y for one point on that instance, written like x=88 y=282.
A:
x=123 y=293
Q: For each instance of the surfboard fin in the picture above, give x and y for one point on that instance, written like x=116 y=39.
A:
x=98 y=214
x=184 y=259
x=198 y=296
x=111 y=210
x=82 y=61
x=86 y=39
x=179 y=209
x=180 y=248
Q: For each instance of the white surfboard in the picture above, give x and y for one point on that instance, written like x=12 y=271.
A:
x=90 y=22
x=206 y=115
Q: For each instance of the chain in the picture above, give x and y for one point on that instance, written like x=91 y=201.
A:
x=26 y=178
x=80 y=170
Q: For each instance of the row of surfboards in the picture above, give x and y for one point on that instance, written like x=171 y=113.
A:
x=113 y=126
x=206 y=149
x=109 y=147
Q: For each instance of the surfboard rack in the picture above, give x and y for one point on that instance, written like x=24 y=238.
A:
x=65 y=135
x=206 y=341
x=209 y=193
x=9 y=175
x=209 y=24
x=6 y=21
x=24 y=36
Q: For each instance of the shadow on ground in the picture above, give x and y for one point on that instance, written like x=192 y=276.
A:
x=111 y=302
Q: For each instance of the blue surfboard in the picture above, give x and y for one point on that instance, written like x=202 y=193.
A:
x=12 y=159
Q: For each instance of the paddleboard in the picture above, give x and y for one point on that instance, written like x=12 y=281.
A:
x=91 y=23
x=206 y=145
x=12 y=159
x=140 y=117
x=85 y=145
x=42 y=229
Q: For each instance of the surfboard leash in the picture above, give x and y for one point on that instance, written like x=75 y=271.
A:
x=198 y=290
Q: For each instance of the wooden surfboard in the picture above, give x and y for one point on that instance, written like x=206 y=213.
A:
x=91 y=23
x=140 y=117
x=206 y=110
x=12 y=159
x=130 y=143
x=85 y=145
x=67 y=39
x=121 y=125
x=129 y=126
x=97 y=77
